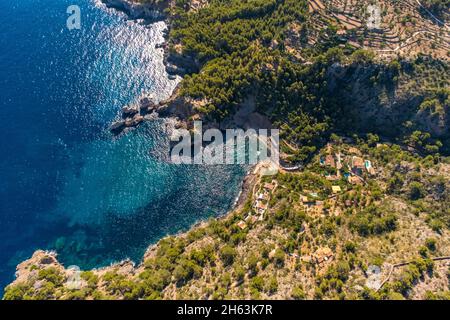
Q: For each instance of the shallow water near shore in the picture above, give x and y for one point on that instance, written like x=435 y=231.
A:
x=66 y=183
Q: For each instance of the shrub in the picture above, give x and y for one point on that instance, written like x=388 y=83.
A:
x=16 y=292
x=430 y=244
x=423 y=251
x=227 y=254
x=186 y=270
x=350 y=247
x=239 y=272
x=373 y=221
x=51 y=275
x=416 y=190
x=257 y=283
x=252 y=263
x=297 y=293
x=278 y=257
x=272 y=285
x=90 y=278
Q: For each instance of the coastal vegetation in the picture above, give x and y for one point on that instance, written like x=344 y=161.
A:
x=244 y=49
x=319 y=246
x=438 y=7
x=314 y=233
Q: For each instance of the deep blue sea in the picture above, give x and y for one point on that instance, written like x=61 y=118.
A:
x=65 y=183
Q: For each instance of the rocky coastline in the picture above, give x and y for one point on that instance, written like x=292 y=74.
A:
x=145 y=108
x=131 y=116
x=177 y=63
x=148 y=11
x=45 y=259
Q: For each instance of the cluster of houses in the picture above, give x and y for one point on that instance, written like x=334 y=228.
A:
x=352 y=167
x=263 y=197
x=260 y=205
x=316 y=207
x=322 y=257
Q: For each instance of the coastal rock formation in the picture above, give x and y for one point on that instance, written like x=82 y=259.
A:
x=134 y=114
x=258 y=266
x=28 y=269
x=148 y=10
x=176 y=107
x=184 y=110
x=175 y=60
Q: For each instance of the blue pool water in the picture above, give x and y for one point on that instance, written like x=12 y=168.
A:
x=66 y=183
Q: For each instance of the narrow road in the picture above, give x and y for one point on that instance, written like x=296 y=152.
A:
x=432 y=15
x=402 y=264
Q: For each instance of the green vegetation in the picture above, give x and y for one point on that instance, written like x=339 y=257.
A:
x=240 y=49
x=436 y=6
x=413 y=273
x=50 y=282
x=373 y=221
x=227 y=254
x=298 y=293
x=284 y=254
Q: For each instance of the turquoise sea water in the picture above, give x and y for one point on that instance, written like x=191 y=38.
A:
x=66 y=183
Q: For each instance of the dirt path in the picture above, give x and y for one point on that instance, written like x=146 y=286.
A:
x=402 y=264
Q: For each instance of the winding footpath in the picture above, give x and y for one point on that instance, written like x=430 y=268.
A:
x=402 y=264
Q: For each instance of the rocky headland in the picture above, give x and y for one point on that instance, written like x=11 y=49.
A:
x=145 y=107
x=147 y=10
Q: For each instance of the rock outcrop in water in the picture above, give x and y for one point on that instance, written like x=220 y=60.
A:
x=176 y=107
x=175 y=62
x=134 y=114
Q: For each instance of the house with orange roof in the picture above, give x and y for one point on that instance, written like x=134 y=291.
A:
x=355 y=180
x=242 y=225
x=329 y=161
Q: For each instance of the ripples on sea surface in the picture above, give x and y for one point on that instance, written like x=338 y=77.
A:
x=66 y=184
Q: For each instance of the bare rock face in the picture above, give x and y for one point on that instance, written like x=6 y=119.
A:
x=146 y=104
x=129 y=111
x=149 y=10
x=40 y=260
x=179 y=107
x=134 y=114
x=117 y=127
x=179 y=63
x=48 y=259
x=137 y=119
x=438 y=123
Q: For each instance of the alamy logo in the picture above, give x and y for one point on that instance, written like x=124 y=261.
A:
x=74 y=20
x=74 y=280
x=237 y=147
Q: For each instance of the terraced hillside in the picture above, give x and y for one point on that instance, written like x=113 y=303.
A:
x=362 y=104
x=390 y=27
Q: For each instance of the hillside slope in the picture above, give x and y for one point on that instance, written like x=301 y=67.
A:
x=294 y=238
x=367 y=217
